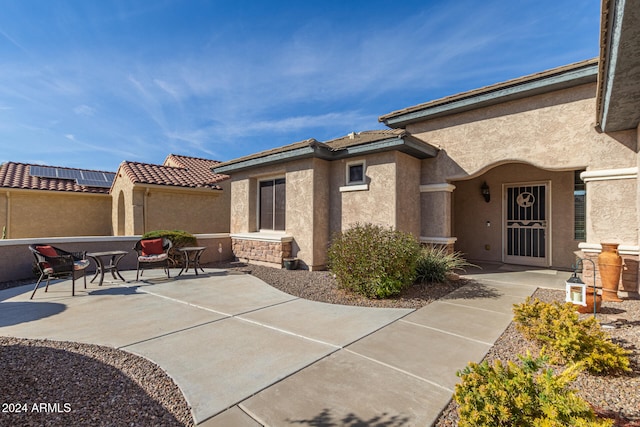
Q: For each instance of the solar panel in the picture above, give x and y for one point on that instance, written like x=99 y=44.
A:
x=82 y=177
x=94 y=183
x=68 y=173
x=43 y=171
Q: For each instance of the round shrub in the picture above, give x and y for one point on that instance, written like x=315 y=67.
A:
x=373 y=260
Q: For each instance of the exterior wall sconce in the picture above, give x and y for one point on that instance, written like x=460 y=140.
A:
x=485 y=192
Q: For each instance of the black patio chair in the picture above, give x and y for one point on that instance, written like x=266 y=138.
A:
x=56 y=263
x=153 y=253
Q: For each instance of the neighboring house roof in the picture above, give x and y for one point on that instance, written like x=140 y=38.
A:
x=550 y=80
x=350 y=145
x=177 y=171
x=618 y=100
x=21 y=176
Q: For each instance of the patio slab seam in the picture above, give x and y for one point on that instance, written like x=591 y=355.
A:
x=442 y=331
x=190 y=304
x=397 y=369
x=466 y=306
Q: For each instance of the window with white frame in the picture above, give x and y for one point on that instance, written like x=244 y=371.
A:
x=272 y=198
x=356 y=172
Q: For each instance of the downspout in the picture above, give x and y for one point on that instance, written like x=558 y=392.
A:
x=144 y=207
x=8 y=223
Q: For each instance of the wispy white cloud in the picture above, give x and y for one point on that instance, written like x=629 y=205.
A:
x=84 y=110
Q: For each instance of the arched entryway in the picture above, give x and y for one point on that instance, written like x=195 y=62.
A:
x=517 y=213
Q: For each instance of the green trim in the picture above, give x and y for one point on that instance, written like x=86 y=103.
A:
x=564 y=80
x=406 y=145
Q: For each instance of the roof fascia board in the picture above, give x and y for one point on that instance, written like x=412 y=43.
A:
x=51 y=192
x=175 y=188
x=298 y=153
x=406 y=145
x=615 y=31
x=564 y=80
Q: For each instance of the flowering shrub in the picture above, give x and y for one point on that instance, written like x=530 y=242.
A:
x=374 y=261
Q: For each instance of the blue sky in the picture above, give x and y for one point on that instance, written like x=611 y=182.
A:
x=90 y=83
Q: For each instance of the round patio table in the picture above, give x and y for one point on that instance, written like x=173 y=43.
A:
x=192 y=256
x=99 y=258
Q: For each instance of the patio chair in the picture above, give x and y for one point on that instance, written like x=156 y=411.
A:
x=152 y=253
x=55 y=263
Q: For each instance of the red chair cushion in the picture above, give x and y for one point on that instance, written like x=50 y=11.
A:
x=47 y=251
x=151 y=247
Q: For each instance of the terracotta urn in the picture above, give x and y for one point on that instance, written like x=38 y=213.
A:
x=589 y=300
x=610 y=266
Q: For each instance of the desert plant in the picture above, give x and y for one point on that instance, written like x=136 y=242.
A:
x=558 y=327
x=527 y=395
x=435 y=262
x=179 y=239
x=373 y=260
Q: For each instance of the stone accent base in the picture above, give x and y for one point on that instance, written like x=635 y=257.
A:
x=261 y=251
x=628 y=286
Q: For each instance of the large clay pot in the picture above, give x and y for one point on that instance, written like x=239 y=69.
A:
x=589 y=306
x=610 y=266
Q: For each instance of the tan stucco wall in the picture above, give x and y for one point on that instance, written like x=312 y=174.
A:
x=407 y=190
x=307 y=208
x=316 y=207
x=552 y=131
x=436 y=213
x=376 y=205
x=148 y=208
x=197 y=212
x=614 y=215
x=36 y=213
x=472 y=213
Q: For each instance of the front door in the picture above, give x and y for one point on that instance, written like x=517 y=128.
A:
x=527 y=224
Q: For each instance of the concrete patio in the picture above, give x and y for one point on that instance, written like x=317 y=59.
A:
x=250 y=355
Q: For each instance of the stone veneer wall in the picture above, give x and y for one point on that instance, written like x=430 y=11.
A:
x=261 y=251
x=628 y=286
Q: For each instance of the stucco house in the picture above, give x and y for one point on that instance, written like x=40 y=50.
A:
x=530 y=171
x=49 y=201
x=183 y=193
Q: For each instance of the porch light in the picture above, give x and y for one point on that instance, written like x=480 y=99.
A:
x=576 y=290
x=484 y=189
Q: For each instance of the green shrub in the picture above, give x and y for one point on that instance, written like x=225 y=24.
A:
x=435 y=263
x=521 y=396
x=374 y=261
x=558 y=327
x=179 y=239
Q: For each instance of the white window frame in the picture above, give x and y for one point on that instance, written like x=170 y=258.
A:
x=364 y=172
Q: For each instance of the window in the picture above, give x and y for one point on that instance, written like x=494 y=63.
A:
x=579 y=207
x=355 y=172
x=272 y=198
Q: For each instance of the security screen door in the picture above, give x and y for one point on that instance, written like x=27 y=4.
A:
x=527 y=224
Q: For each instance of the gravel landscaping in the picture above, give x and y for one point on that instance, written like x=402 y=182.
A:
x=92 y=385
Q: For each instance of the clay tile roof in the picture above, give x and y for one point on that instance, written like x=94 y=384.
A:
x=306 y=143
x=364 y=137
x=177 y=171
x=17 y=175
x=491 y=88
